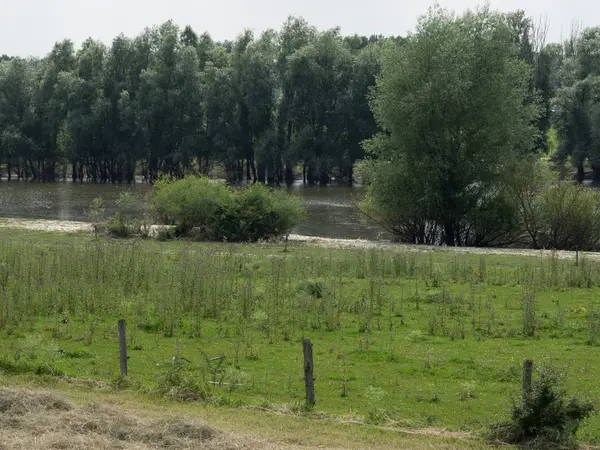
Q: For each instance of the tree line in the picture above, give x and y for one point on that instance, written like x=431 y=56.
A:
x=172 y=101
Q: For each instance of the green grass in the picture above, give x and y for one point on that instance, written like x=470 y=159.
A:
x=403 y=338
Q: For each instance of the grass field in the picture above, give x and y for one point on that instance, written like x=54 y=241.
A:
x=401 y=339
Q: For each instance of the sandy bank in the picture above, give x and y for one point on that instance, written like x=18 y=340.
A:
x=78 y=227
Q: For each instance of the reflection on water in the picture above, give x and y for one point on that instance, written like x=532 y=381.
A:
x=330 y=209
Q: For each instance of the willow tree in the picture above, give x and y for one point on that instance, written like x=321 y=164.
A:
x=452 y=103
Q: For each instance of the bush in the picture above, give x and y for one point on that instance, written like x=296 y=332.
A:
x=96 y=215
x=553 y=214
x=570 y=217
x=215 y=212
x=121 y=223
x=547 y=419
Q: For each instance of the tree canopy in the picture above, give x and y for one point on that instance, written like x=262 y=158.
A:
x=452 y=103
x=174 y=101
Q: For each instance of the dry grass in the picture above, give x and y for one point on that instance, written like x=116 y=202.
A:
x=35 y=418
x=39 y=419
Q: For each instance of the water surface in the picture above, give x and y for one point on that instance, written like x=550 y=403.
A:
x=331 y=211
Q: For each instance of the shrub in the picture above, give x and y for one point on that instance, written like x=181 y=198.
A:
x=554 y=215
x=546 y=418
x=189 y=203
x=120 y=223
x=570 y=217
x=96 y=215
x=216 y=212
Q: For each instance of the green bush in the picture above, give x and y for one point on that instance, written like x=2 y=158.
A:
x=570 y=217
x=96 y=215
x=121 y=224
x=552 y=214
x=546 y=418
x=215 y=212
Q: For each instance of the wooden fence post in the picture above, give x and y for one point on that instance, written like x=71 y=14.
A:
x=577 y=255
x=309 y=381
x=123 y=347
x=527 y=375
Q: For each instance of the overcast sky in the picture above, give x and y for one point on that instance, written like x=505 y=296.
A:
x=31 y=27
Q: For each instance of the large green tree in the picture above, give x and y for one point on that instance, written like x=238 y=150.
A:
x=452 y=101
x=577 y=103
x=18 y=87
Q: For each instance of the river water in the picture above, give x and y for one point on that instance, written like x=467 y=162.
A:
x=331 y=212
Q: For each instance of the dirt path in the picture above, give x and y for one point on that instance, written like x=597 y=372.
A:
x=77 y=227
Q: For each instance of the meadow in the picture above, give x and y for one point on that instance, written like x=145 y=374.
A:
x=401 y=338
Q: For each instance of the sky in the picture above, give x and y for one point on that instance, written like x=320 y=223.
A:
x=31 y=27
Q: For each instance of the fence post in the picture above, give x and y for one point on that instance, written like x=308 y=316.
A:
x=309 y=381
x=577 y=255
x=123 y=347
x=527 y=375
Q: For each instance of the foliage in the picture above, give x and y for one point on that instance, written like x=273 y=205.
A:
x=172 y=101
x=96 y=214
x=552 y=214
x=121 y=223
x=577 y=106
x=525 y=182
x=189 y=203
x=546 y=418
x=216 y=212
x=451 y=100
x=570 y=217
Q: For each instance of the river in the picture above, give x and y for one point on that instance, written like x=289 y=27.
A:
x=330 y=209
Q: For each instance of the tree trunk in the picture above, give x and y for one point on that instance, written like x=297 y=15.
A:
x=261 y=173
x=350 y=180
x=449 y=233
x=253 y=169
x=596 y=173
x=289 y=175
x=323 y=177
x=271 y=171
x=580 y=173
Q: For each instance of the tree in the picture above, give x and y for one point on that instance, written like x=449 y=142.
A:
x=88 y=114
x=51 y=110
x=254 y=76
x=295 y=34
x=17 y=119
x=358 y=121
x=319 y=75
x=577 y=104
x=452 y=102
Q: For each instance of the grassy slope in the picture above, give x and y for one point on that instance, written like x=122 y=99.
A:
x=443 y=348
x=102 y=418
